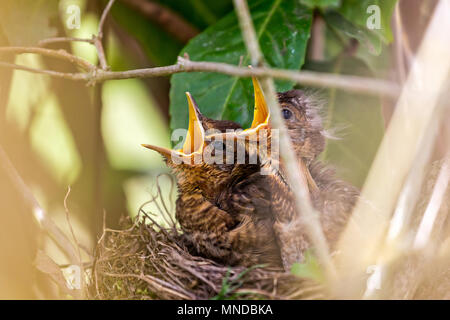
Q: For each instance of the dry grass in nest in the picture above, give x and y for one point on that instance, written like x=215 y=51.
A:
x=148 y=261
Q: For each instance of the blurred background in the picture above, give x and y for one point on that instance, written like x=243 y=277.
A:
x=58 y=133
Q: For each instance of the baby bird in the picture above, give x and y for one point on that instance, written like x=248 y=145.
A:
x=213 y=232
x=270 y=194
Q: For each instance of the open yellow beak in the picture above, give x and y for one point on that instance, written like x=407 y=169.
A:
x=261 y=112
x=195 y=137
x=261 y=118
x=196 y=134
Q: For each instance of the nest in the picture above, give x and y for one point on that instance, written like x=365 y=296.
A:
x=149 y=261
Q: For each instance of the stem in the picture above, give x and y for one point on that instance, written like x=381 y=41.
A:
x=59 y=54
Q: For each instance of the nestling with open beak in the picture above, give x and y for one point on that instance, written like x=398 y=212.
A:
x=213 y=232
x=332 y=197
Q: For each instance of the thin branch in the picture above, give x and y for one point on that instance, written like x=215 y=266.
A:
x=98 y=40
x=103 y=18
x=248 y=32
x=170 y=21
x=56 y=74
x=296 y=177
x=80 y=263
x=45 y=42
x=308 y=78
x=66 y=209
x=58 y=54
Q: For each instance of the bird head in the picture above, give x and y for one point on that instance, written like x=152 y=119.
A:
x=201 y=128
x=302 y=121
x=189 y=163
x=192 y=149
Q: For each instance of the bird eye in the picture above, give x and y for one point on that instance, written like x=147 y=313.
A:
x=287 y=114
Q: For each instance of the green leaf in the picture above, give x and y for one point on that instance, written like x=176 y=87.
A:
x=357 y=120
x=25 y=22
x=322 y=4
x=356 y=12
x=308 y=269
x=160 y=47
x=283 y=29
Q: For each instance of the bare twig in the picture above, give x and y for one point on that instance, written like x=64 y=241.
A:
x=103 y=18
x=295 y=176
x=80 y=261
x=58 y=54
x=66 y=209
x=248 y=32
x=99 y=38
x=170 y=21
x=45 y=42
x=56 y=74
x=309 y=78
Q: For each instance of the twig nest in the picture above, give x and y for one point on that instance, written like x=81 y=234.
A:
x=147 y=261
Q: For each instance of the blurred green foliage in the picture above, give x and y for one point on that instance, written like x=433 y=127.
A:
x=321 y=4
x=159 y=46
x=355 y=120
x=201 y=13
x=309 y=269
x=356 y=11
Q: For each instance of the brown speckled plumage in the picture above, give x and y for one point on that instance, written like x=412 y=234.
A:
x=270 y=195
x=209 y=228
